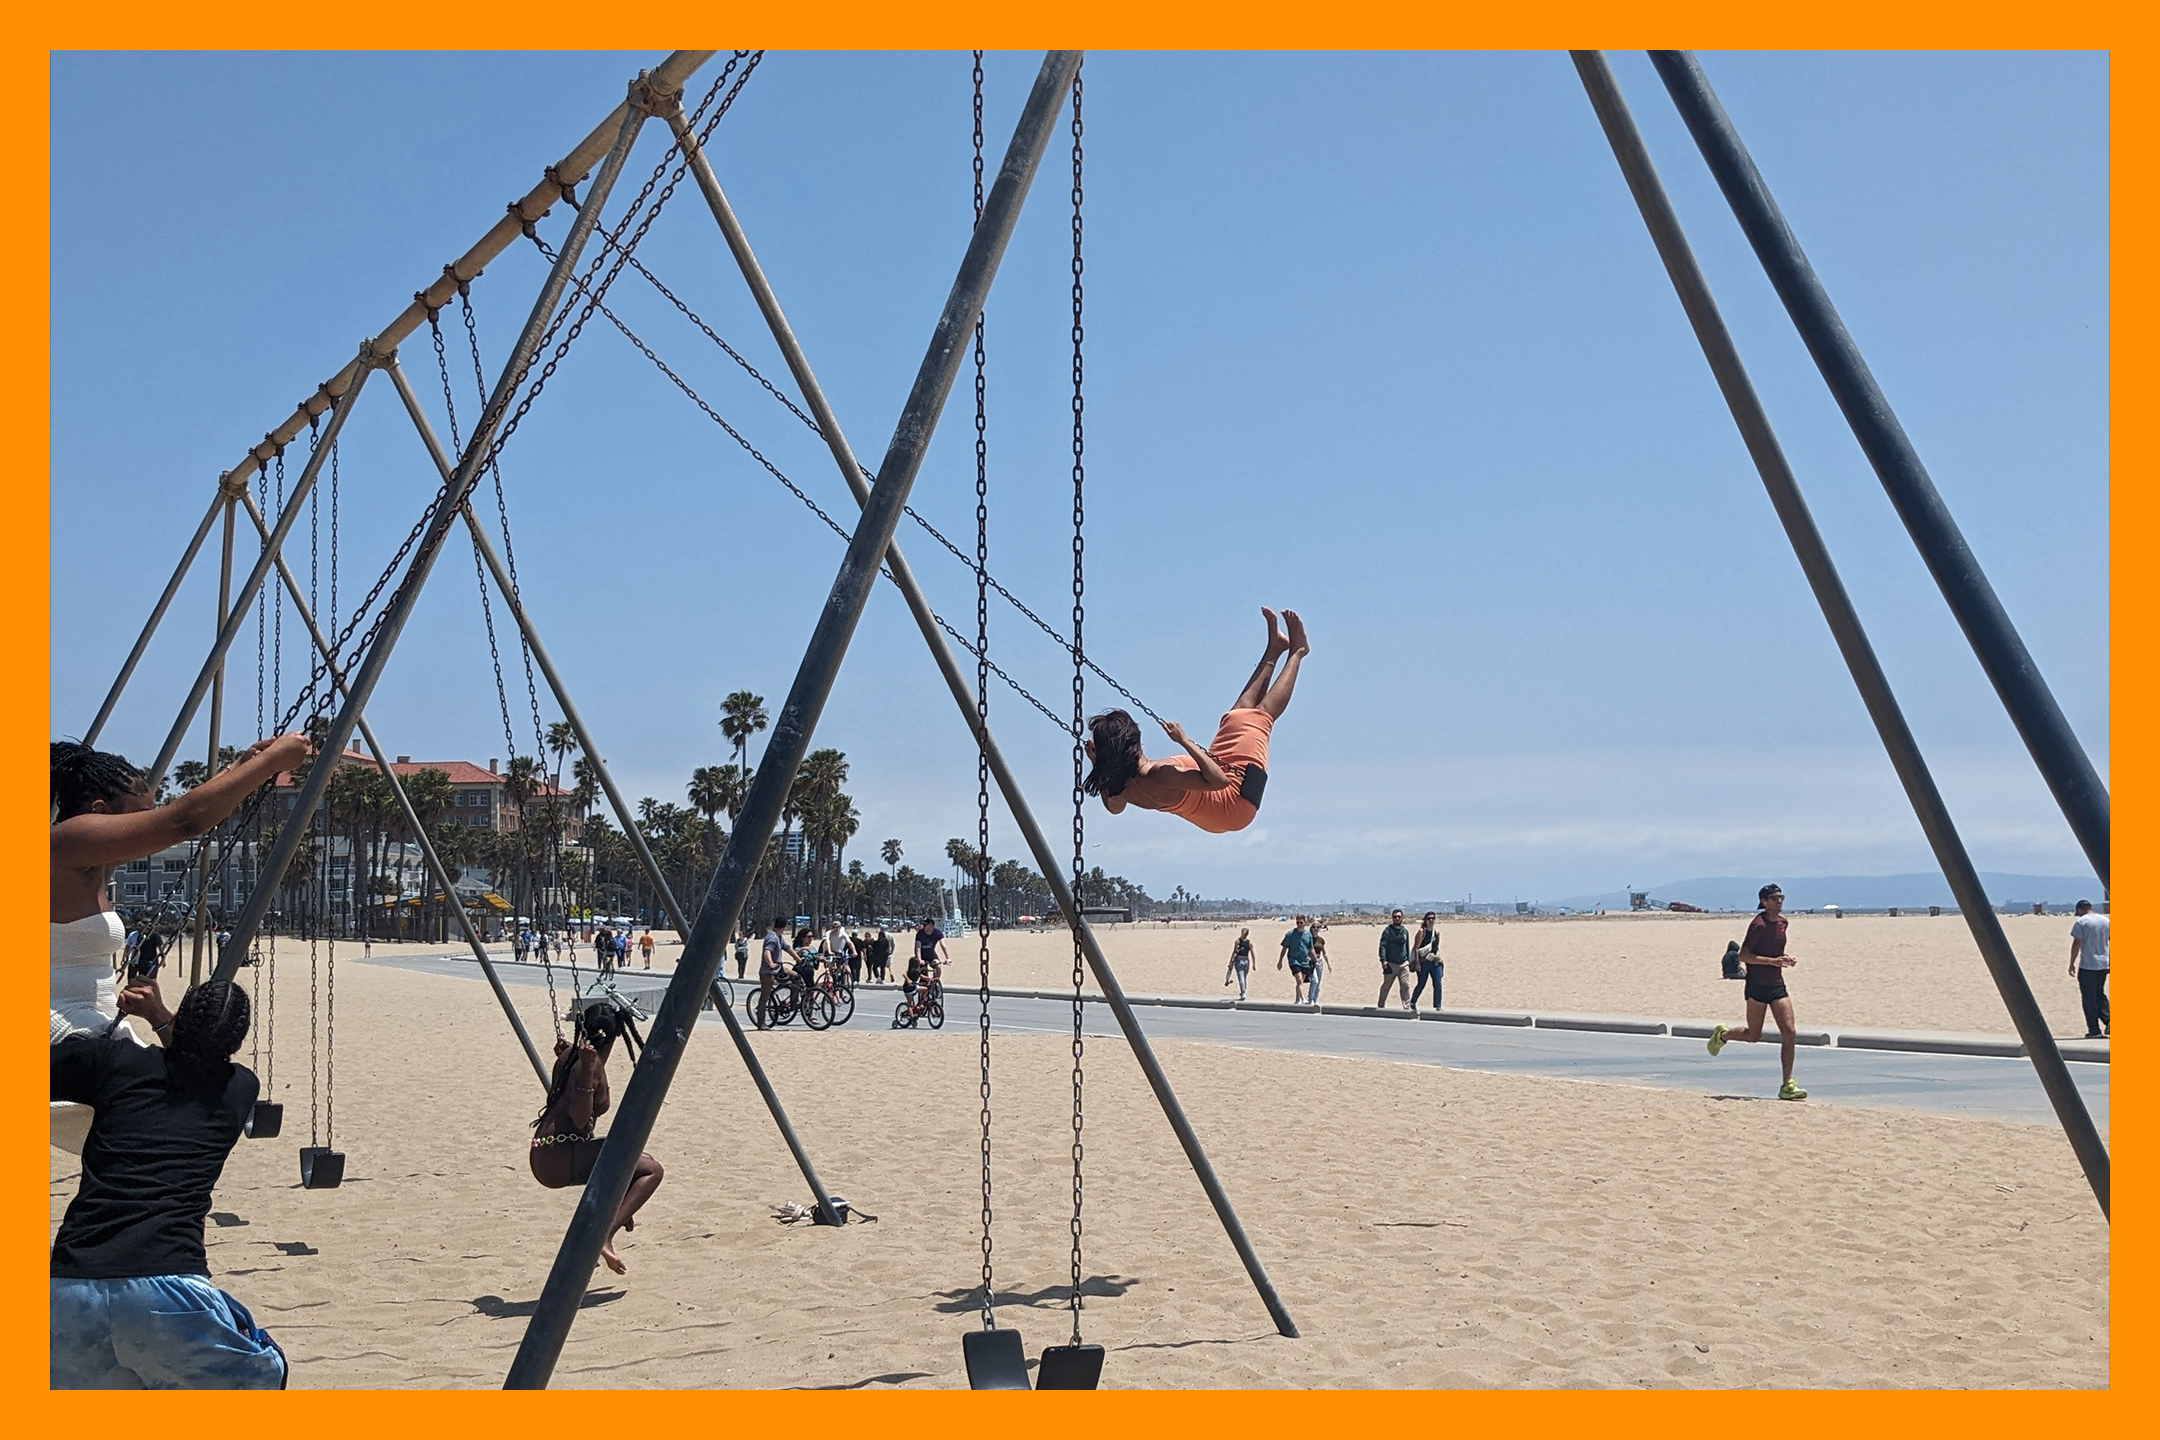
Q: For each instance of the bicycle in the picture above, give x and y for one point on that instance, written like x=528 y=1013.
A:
x=831 y=997
x=780 y=1007
x=927 y=1002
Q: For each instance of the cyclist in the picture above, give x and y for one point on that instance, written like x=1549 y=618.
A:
x=776 y=945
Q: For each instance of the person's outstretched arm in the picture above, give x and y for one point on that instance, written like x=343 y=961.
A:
x=1210 y=776
x=83 y=841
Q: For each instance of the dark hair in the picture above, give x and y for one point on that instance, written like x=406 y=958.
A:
x=2084 y=905
x=1117 y=752
x=1768 y=890
x=206 y=1032
x=82 y=776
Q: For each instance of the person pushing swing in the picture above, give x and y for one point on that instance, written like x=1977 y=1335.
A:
x=1219 y=788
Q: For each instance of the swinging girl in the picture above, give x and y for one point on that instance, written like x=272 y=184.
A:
x=1219 y=788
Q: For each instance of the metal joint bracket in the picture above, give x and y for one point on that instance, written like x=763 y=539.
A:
x=654 y=97
x=374 y=357
x=567 y=187
x=230 y=485
x=463 y=282
x=516 y=211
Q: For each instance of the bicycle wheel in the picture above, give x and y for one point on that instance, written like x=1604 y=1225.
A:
x=786 y=1005
x=817 y=1009
x=761 y=1011
x=843 y=1003
x=901 y=1019
x=935 y=1010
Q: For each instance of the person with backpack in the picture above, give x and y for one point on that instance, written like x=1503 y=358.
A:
x=132 y=1303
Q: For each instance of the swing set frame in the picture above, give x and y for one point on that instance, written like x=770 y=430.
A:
x=871 y=547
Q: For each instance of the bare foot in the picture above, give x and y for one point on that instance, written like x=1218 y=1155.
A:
x=1297 y=633
x=612 y=1260
x=1276 y=643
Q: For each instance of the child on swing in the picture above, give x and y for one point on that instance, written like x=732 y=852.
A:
x=1219 y=788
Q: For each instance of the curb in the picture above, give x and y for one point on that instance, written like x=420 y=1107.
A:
x=1374 y=1011
x=1700 y=1030
x=1606 y=1024
x=1278 y=1007
x=1930 y=1043
x=1516 y=1018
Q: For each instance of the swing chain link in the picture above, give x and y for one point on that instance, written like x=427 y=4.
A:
x=1079 y=697
x=982 y=722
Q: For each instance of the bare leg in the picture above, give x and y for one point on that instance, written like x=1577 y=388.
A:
x=1264 y=672
x=642 y=1184
x=1755 y=1011
x=1786 y=1026
x=1277 y=698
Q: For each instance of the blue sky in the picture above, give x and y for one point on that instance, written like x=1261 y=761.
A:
x=1379 y=337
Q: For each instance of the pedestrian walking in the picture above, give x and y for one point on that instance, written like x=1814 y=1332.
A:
x=1320 y=962
x=1425 y=949
x=1240 y=960
x=1394 y=961
x=2089 y=962
x=1297 y=954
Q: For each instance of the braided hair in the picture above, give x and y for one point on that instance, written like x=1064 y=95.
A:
x=82 y=776
x=206 y=1033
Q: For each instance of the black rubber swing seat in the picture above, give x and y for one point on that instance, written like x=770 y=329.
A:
x=321 y=1168
x=997 y=1360
x=265 y=1120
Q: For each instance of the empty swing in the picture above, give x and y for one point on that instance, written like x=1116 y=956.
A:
x=996 y=1357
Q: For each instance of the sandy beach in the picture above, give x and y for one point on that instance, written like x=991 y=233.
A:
x=1427 y=1227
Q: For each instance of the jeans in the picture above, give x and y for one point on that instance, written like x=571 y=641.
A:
x=1427 y=970
x=2092 y=989
x=1312 y=991
x=1240 y=971
x=158 y=1332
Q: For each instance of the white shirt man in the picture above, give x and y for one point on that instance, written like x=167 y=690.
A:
x=2089 y=963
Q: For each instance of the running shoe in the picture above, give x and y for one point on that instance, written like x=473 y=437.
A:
x=1790 y=1091
x=1717 y=1038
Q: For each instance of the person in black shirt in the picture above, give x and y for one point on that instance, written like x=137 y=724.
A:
x=132 y=1303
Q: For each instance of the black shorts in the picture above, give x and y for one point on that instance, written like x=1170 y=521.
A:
x=1766 y=993
x=566 y=1164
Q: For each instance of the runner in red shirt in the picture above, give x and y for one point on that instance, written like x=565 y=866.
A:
x=1767 y=962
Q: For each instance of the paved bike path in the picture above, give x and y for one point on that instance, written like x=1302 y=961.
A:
x=1971 y=1087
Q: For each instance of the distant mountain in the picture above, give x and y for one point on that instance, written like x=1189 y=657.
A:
x=1853 y=892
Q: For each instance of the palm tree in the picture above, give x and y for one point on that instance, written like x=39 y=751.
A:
x=889 y=852
x=742 y=715
x=711 y=790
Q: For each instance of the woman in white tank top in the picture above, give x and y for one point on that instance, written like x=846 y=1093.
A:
x=104 y=816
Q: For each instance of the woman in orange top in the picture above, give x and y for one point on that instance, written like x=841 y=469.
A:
x=1219 y=788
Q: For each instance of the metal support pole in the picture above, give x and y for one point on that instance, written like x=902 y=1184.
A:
x=820 y=1196
x=2018 y=682
x=436 y=868
x=407 y=594
x=717 y=918
x=442 y=288
x=217 y=718
x=1837 y=608
x=231 y=628
x=955 y=679
x=157 y=613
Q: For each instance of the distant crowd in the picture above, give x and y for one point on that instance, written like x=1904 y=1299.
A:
x=1304 y=953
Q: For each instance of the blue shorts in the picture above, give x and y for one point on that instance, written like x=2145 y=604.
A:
x=158 y=1332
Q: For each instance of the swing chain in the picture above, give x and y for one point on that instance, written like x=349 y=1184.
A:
x=1079 y=696
x=982 y=722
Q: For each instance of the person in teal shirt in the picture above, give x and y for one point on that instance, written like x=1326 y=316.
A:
x=1297 y=951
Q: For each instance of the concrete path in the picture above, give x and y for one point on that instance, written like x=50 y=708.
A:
x=1967 y=1086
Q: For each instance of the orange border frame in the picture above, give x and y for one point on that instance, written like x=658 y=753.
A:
x=25 y=594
